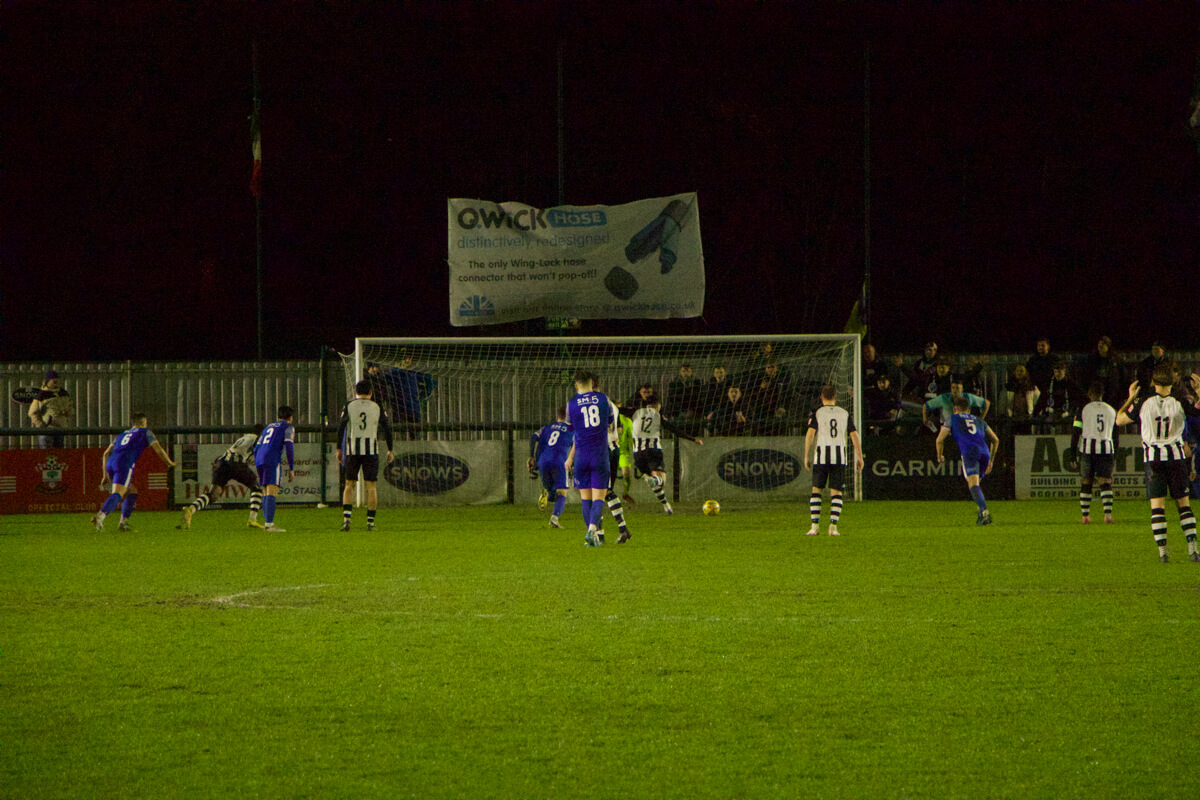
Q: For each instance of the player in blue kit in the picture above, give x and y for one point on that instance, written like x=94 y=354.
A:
x=548 y=450
x=276 y=439
x=590 y=413
x=120 y=458
x=973 y=437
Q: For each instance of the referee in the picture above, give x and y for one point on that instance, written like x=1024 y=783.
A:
x=363 y=423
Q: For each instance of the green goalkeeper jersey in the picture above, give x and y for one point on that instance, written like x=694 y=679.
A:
x=625 y=442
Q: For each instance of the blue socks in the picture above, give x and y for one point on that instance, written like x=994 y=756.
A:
x=269 y=508
x=110 y=504
x=977 y=496
x=560 y=504
x=127 y=505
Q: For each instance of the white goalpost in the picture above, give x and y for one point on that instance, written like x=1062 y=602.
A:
x=464 y=410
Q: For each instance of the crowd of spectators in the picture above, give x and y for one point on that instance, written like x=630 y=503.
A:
x=1040 y=395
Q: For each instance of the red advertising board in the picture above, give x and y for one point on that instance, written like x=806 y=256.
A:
x=61 y=481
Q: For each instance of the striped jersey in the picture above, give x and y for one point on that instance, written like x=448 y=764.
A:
x=1095 y=422
x=1162 y=421
x=242 y=450
x=614 y=427
x=362 y=425
x=647 y=429
x=833 y=426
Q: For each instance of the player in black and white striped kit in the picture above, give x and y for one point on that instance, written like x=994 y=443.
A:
x=1093 y=449
x=362 y=425
x=236 y=464
x=648 y=425
x=830 y=429
x=1166 y=457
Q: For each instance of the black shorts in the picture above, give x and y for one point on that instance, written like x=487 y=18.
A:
x=831 y=475
x=649 y=460
x=225 y=471
x=1095 y=465
x=1167 y=477
x=614 y=466
x=368 y=465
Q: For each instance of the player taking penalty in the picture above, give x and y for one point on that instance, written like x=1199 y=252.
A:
x=973 y=437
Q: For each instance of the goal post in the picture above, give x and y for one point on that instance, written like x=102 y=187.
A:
x=465 y=408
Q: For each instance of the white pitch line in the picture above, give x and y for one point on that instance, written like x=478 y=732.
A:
x=231 y=599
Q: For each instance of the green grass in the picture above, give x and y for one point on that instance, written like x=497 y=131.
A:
x=476 y=653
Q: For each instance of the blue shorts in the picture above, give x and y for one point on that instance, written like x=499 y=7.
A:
x=554 y=475
x=591 y=469
x=120 y=472
x=975 y=463
x=269 y=474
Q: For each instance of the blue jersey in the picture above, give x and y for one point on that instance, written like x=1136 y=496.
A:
x=272 y=442
x=970 y=434
x=553 y=442
x=128 y=446
x=590 y=414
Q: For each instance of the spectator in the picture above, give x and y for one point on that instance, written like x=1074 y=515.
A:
x=769 y=401
x=1101 y=366
x=51 y=409
x=729 y=418
x=920 y=374
x=715 y=389
x=882 y=405
x=942 y=379
x=973 y=378
x=638 y=399
x=1145 y=373
x=685 y=401
x=402 y=391
x=1060 y=399
x=872 y=366
x=1041 y=365
x=1022 y=397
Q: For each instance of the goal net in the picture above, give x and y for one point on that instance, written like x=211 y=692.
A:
x=464 y=411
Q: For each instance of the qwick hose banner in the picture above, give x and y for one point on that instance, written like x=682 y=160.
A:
x=511 y=261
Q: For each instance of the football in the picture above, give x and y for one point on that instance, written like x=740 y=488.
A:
x=711 y=508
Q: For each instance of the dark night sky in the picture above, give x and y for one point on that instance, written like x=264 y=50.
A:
x=1031 y=167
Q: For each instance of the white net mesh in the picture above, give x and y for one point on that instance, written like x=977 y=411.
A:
x=471 y=404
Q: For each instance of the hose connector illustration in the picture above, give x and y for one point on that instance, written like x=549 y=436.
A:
x=659 y=235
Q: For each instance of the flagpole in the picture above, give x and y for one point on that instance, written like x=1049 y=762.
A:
x=256 y=187
x=866 y=298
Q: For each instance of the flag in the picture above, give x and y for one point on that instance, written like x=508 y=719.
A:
x=858 y=315
x=256 y=149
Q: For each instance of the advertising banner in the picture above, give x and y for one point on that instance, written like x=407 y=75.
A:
x=446 y=473
x=729 y=467
x=906 y=468
x=193 y=472
x=1043 y=473
x=68 y=480
x=510 y=262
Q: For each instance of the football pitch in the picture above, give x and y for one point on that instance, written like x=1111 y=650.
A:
x=477 y=653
